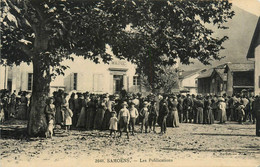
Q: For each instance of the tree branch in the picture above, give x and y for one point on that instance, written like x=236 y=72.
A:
x=22 y=18
x=26 y=49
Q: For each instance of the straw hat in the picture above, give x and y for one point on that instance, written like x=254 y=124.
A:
x=145 y=103
x=124 y=103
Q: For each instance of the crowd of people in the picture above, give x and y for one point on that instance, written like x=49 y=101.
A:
x=122 y=112
x=15 y=105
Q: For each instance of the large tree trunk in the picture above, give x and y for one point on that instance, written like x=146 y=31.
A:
x=41 y=87
x=41 y=84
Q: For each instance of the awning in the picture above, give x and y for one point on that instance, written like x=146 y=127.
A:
x=246 y=87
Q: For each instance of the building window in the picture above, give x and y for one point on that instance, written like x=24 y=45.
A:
x=98 y=82
x=30 y=81
x=136 y=80
x=75 y=81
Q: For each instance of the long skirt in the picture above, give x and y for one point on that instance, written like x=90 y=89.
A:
x=99 y=119
x=222 y=116
x=169 y=119
x=13 y=111
x=82 y=118
x=58 y=115
x=105 y=124
x=89 y=119
x=176 y=122
x=199 y=115
x=22 y=111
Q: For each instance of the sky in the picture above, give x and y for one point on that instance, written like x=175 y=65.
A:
x=251 y=6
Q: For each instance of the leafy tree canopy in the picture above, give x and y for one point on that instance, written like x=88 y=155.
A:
x=161 y=30
x=45 y=32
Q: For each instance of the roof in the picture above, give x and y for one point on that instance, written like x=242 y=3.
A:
x=206 y=74
x=222 y=74
x=239 y=67
x=209 y=72
x=255 y=41
x=186 y=74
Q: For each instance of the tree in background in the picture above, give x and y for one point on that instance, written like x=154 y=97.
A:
x=45 y=32
x=164 y=31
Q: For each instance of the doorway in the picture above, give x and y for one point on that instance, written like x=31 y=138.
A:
x=117 y=83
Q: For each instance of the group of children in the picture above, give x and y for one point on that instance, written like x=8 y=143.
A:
x=127 y=119
x=50 y=111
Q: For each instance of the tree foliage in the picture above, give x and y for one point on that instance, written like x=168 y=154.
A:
x=45 y=32
x=162 y=30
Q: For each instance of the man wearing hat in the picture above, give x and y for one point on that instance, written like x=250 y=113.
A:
x=144 y=114
x=133 y=115
x=123 y=119
x=187 y=108
x=164 y=113
x=153 y=115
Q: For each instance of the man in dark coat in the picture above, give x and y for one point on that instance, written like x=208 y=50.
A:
x=256 y=110
x=187 y=109
x=164 y=113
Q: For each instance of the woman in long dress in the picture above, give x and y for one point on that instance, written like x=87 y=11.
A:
x=58 y=103
x=82 y=116
x=101 y=109
x=173 y=118
x=208 y=116
x=176 y=122
x=222 y=116
x=107 y=116
x=199 y=109
x=90 y=113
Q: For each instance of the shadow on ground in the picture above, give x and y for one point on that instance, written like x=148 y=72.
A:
x=218 y=134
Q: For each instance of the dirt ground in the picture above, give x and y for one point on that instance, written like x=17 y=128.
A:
x=228 y=144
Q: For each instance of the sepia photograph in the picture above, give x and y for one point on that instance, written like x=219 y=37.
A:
x=130 y=83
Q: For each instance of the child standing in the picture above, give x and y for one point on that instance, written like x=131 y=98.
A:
x=67 y=116
x=50 y=111
x=124 y=118
x=144 y=114
x=113 y=123
x=133 y=115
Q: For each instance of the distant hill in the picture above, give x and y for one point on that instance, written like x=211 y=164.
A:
x=240 y=32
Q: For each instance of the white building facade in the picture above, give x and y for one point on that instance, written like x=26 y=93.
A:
x=254 y=55
x=83 y=75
